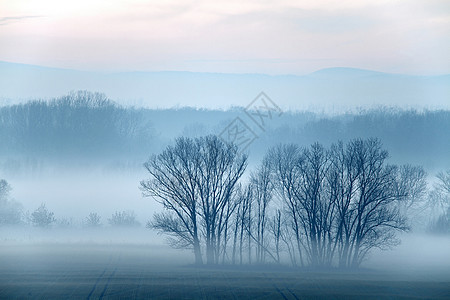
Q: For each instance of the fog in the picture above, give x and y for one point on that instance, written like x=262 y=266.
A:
x=73 y=182
x=73 y=196
x=112 y=193
x=229 y=150
x=333 y=90
x=419 y=256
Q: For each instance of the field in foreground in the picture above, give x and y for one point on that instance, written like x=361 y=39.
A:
x=89 y=271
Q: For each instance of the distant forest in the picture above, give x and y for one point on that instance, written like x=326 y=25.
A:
x=90 y=127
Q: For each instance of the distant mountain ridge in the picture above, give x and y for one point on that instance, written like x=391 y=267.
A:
x=331 y=89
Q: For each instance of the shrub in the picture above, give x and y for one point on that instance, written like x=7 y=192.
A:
x=42 y=217
x=124 y=218
x=93 y=220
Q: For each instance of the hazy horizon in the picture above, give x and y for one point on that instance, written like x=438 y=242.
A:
x=330 y=91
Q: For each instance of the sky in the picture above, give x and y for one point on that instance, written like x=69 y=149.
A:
x=228 y=36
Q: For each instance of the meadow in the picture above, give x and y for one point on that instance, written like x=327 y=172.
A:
x=121 y=271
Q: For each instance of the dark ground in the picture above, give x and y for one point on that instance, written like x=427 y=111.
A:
x=77 y=271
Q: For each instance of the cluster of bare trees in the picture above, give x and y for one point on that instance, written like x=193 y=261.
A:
x=313 y=206
x=195 y=180
x=342 y=201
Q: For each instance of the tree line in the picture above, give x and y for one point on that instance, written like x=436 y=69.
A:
x=80 y=124
x=90 y=126
x=309 y=206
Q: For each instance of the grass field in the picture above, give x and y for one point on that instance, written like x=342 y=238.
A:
x=89 y=271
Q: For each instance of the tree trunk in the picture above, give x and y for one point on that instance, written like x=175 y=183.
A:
x=197 y=252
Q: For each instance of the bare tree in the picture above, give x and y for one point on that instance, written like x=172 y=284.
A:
x=10 y=210
x=316 y=206
x=342 y=178
x=195 y=180
x=413 y=184
x=285 y=163
x=276 y=230
x=288 y=238
x=242 y=222
x=227 y=219
x=236 y=222
x=220 y=167
x=373 y=214
x=174 y=183
x=312 y=208
x=444 y=181
x=262 y=185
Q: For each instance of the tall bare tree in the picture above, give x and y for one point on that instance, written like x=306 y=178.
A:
x=342 y=178
x=304 y=192
x=195 y=181
x=220 y=167
x=373 y=214
x=276 y=230
x=286 y=160
x=173 y=183
x=243 y=223
x=262 y=185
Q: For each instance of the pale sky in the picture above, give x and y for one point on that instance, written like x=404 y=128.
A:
x=272 y=37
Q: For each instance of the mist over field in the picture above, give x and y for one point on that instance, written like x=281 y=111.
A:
x=83 y=153
x=222 y=149
x=74 y=190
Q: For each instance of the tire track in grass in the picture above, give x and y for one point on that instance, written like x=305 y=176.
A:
x=286 y=287
x=111 y=276
x=279 y=291
x=275 y=286
x=292 y=293
x=107 y=283
x=99 y=278
x=96 y=283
